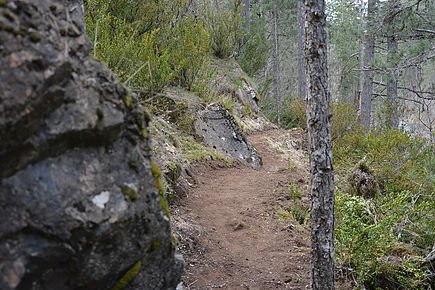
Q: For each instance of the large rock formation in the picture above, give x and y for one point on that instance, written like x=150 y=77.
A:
x=220 y=131
x=78 y=203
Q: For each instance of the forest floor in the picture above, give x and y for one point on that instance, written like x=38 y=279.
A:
x=231 y=227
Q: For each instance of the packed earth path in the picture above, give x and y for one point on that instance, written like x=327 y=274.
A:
x=233 y=228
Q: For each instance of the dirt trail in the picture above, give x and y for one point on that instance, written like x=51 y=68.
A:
x=237 y=239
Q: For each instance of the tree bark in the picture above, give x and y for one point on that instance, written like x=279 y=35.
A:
x=276 y=65
x=392 y=114
x=260 y=6
x=392 y=117
x=366 y=59
x=318 y=122
x=246 y=9
x=301 y=59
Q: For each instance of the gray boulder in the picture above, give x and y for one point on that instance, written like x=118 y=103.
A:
x=78 y=203
x=220 y=131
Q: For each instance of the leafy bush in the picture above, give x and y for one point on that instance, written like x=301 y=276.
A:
x=292 y=111
x=254 y=48
x=225 y=26
x=377 y=238
x=294 y=114
x=297 y=211
x=148 y=44
x=189 y=45
x=385 y=239
x=343 y=116
x=231 y=36
x=400 y=162
x=343 y=119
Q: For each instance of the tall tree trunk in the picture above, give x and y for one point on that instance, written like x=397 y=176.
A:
x=260 y=7
x=276 y=66
x=366 y=58
x=246 y=9
x=301 y=60
x=392 y=114
x=362 y=27
x=392 y=117
x=318 y=122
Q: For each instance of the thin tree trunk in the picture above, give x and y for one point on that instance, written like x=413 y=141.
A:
x=276 y=66
x=318 y=122
x=362 y=26
x=392 y=117
x=424 y=111
x=392 y=114
x=260 y=4
x=366 y=58
x=246 y=9
x=301 y=60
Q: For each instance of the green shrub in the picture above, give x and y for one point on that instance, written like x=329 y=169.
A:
x=371 y=234
x=293 y=114
x=246 y=39
x=384 y=239
x=254 y=46
x=399 y=162
x=189 y=46
x=225 y=26
x=343 y=119
x=148 y=44
x=297 y=211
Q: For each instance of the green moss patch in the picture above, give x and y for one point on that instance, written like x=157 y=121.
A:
x=130 y=192
x=155 y=245
x=128 y=277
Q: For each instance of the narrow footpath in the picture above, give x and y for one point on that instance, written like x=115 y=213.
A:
x=234 y=236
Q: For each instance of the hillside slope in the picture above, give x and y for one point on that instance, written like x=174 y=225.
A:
x=189 y=128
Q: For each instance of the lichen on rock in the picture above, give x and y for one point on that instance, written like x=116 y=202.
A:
x=72 y=142
x=220 y=131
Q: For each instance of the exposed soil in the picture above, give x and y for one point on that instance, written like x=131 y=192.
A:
x=229 y=229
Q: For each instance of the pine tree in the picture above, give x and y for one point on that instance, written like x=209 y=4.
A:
x=318 y=122
x=366 y=59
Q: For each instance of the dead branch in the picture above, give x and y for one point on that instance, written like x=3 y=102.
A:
x=425 y=30
x=419 y=94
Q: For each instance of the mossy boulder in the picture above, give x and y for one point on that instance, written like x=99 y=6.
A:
x=79 y=208
x=229 y=79
x=178 y=107
x=234 y=90
x=221 y=132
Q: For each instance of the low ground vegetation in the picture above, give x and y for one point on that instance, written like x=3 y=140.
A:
x=385 y=239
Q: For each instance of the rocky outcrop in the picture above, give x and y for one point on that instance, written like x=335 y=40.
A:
x=220 y=131
x=78 y=203
x=231 y=80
